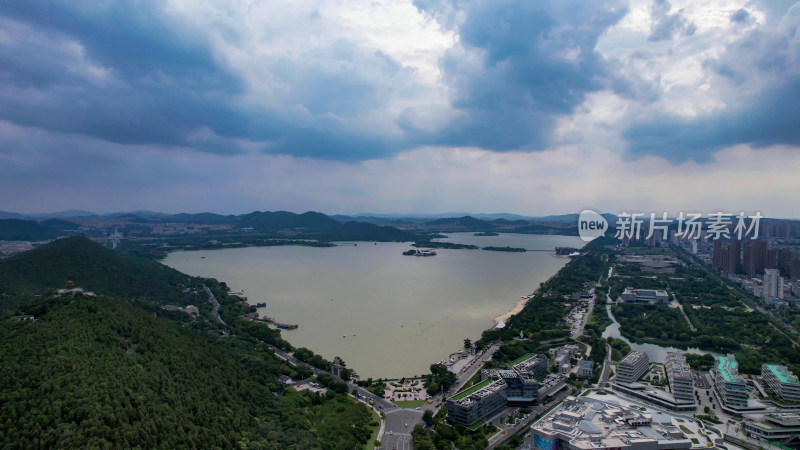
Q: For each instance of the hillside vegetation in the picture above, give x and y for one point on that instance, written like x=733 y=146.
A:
x=117 y=371
x=92 y=267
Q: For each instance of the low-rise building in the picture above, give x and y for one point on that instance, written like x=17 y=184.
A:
x=479 y=402
x=681 y=380
x=775 y=427
x=632 y=367
x=728 y=384
x=657 y=296
x=533 y=365
x=582 y=423
x=585 y=369
x=782 y=381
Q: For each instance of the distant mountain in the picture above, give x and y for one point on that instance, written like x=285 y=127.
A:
x=205 y=217
x=466 y=223
x=69 y=214
x=29 y=230
x=363 y=231
x=92 y=267
x=570 y=218
x=10 y=215
x=267 y=221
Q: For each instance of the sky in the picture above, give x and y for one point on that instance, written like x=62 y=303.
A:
x=393 y=106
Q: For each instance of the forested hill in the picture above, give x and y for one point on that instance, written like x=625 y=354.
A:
x=92 y=267
x=100 y=372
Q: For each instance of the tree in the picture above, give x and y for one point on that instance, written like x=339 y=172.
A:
x=427 y=417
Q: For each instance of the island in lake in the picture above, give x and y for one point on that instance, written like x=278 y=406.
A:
x=505 y=249
x=448 y=245
x=487 y=233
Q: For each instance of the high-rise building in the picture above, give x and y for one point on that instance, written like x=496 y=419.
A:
x=632 y=367
x=734 y=256
x=784 y=259
x=794 y=269
x=716 y=255
x=773 y=284
x=755 y=255
x=772 y=259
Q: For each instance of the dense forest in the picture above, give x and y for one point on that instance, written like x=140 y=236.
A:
x=92 y=267
x=713 y=309
x=118 y=371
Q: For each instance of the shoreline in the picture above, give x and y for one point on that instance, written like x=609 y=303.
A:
x=500 y=321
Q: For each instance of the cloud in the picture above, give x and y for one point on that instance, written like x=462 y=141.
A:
x=665 y=25
x=741 y=15
x=153 y=73
x=762 y=100
x=519 y=67
x=107 y=177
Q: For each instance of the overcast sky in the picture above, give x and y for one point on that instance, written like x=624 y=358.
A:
x=341 y=106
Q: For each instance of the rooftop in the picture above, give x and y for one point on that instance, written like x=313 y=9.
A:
x=590 y=423
x=783 y=374
x=633 y=357
x=728 y=368
x=471 y=390
x=520 y=359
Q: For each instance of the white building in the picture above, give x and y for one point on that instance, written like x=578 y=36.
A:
x=632 y=367
x=782 y=381
x=582 y=423
x=728 y=384
x=773 y=284
x=681 y=381
x=657 y=296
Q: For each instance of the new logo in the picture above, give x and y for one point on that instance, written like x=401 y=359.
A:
x=591 y=225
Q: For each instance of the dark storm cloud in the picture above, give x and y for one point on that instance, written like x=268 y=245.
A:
x=117 y=71
x=774 y=118
x=666 y=25
x=764 y=110
x=740 y=16
x=130 y=73
x=523 y=65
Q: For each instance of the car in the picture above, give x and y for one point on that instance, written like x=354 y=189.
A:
x=417 y=408
x=406 y=423
x=391 y=432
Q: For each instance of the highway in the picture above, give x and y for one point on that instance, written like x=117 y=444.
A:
x=215 y=309
x=606 y=367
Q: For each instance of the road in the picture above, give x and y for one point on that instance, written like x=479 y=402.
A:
x=578 y=331
x=215 y=309
x=470 y=370
x=606 y=367
x=536 y=412
x=399 y=424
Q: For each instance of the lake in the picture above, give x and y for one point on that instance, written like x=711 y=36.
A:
x=655 y=353
x=387 y=315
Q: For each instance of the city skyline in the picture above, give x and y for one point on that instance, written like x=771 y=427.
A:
x=400 y=107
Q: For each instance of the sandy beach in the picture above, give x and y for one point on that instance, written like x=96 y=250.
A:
x=501 y=319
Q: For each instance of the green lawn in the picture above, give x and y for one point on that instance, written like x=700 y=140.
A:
x=685 y=430
x=410 y=403
x=476 y=425
x=471 y=390
x=374 y=436
x=519 y=360
x=695 y=441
